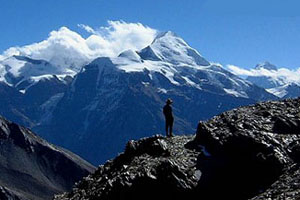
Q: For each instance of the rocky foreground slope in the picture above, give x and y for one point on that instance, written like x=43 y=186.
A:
x=247 y=153
x=33 y=169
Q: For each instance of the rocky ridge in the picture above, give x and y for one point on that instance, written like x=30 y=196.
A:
x=157 y=161
x=33 y=169
x=247 y=153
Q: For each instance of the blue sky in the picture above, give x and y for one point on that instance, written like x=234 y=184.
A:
x=241 y=33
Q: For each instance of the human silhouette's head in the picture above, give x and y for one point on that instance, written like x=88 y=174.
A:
x=169 y=101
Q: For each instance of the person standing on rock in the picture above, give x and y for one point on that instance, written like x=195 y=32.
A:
x=167 y=110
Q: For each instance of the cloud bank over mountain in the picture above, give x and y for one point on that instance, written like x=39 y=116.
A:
x=65 y=47
x=288 y=75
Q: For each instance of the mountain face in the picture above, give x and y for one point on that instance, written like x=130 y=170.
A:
x=31 y=168
x=30 y=88
x=10 y=104
x=280 y=86
x=247 y=153
x=113 y=100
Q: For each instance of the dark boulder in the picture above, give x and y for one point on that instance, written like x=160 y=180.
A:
x=284 y=125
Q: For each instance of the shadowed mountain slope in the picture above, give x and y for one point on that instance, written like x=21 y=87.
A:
x=31 y=168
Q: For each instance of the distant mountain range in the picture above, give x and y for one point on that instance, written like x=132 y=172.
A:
x=280 y=86
x=94 y=109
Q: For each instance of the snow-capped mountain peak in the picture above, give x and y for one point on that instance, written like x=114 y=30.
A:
x=169 y=56
x=266 y=65
x=170 y=48
x=165 y=34
x=281 y=82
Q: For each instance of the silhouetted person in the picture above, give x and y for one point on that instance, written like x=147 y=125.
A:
x=167 y=110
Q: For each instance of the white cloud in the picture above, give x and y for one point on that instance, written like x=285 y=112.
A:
x=239 y=71
x=68 y=48
x=120 y=36
x=288 y=75
x=291 y=75
x=87 y=28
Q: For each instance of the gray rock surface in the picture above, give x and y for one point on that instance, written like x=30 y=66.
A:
x=150 y=166
x=247 y=153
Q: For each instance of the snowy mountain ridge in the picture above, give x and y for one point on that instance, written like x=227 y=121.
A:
x=266 y=65
x=290 y=90
x=278 y=81
x=18 y=71
x=170 y=48
x=168 y=54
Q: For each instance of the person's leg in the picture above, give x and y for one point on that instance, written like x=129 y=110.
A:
x=167 y=127
x=171 y=130
x=171 y=127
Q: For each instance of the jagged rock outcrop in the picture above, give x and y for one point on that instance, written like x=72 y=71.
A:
x=150 y=167
x=255 y=146
x=247 y=153
x=33 y=169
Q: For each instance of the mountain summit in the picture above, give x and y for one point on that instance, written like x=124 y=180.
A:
x=266 y=65
x=170 y=48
